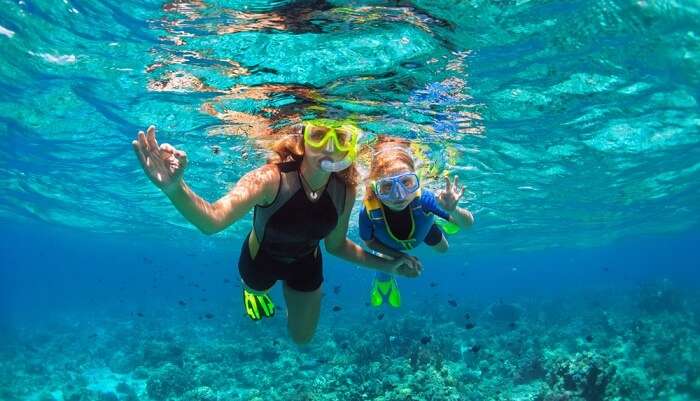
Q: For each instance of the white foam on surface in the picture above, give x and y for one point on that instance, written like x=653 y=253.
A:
x=6 y=32
x=60 y=59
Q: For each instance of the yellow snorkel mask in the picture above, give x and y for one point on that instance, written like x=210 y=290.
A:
x=333 y=135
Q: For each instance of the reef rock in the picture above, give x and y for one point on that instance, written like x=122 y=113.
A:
x=586 y=375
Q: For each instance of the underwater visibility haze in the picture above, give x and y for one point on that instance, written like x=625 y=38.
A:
x=574 y=125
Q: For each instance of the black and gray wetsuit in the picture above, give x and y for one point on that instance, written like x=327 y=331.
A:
x=289 y=230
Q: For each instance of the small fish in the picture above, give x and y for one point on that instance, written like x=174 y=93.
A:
x=606 y=269
x=433 y=284
x=337 y=308
x=203 y=299
x=195 y=285
x=512 y=325
x=275 y=342
x=139 y=314
x=452 y=303
x=147 y=260
x=467 y=316
x=425 y=340
x=380 y=316
x=226 y=280
x=216 y=149
x=469 y=325
x=344 y=345
x=366 y=303
x=589 y=338
x=182 y=303
x=475 y=348
x=267 y=70
x=180 y=276
x=92 y=335
x=209 y=315
x=336 y=290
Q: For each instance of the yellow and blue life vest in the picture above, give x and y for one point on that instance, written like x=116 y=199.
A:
x=373 y=222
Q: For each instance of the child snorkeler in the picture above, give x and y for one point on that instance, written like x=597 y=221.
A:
x=398 y=214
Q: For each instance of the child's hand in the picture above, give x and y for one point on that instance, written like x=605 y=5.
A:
x=450 y=196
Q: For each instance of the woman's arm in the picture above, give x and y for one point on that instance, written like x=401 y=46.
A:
x=338 y=244
x=165 y=165
x=376 y=245
x=256 y=187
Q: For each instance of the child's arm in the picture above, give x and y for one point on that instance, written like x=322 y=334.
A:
x=461 y=217
x=445 y=204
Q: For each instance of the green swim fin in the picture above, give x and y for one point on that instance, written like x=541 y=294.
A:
x=258 y=305
x=447 y=226
x=388 y=290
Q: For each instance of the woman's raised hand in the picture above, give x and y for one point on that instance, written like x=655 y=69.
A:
x=164 y=165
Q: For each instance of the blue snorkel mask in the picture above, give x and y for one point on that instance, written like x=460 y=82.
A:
x=397 y=188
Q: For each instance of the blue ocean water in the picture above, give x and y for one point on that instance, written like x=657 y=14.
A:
x=575 y=127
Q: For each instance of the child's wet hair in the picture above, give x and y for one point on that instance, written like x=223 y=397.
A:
x=388 y=151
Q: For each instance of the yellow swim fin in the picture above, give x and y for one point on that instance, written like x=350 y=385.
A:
x=388 y=290
x=258 y=305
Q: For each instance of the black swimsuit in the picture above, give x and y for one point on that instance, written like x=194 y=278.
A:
x=289 y=231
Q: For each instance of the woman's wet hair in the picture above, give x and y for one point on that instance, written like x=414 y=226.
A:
x=290 y=147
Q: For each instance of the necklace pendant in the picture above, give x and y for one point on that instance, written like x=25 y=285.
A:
x=314 y=195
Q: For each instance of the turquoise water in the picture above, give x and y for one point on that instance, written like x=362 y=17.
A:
x=575 y=127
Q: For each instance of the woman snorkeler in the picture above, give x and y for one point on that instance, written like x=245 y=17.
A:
x=304 y=194
x=398 y=214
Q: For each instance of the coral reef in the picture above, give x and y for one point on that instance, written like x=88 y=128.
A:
x=585 y=375
x=536 y=350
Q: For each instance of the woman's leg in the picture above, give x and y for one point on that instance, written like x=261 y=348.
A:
x=304 y=309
